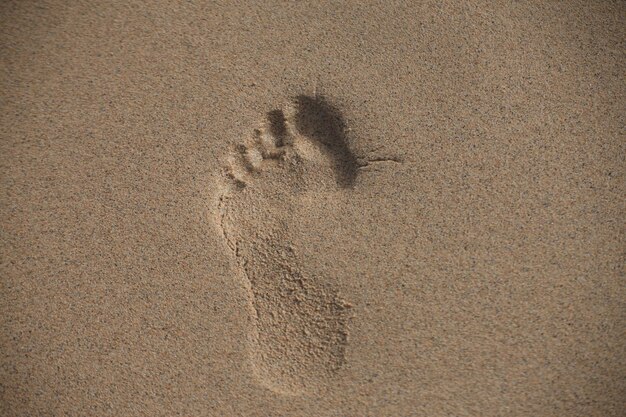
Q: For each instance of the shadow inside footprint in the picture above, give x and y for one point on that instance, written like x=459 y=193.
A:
x=321 y=122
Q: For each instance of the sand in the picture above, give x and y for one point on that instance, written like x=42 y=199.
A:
x=316 y=209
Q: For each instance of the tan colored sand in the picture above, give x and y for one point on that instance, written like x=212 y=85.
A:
x=187 y=230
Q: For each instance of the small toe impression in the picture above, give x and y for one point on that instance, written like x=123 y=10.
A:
x=277 y=127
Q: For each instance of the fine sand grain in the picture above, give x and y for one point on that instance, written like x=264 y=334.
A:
x=263 y=208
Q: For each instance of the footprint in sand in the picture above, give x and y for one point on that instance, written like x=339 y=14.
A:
x=300 y=321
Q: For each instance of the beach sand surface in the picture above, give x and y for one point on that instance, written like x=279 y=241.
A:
x=312 y=209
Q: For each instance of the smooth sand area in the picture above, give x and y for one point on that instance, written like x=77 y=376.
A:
x=312 y=209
